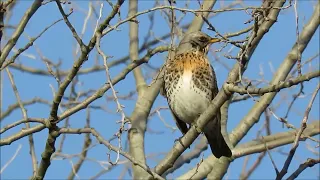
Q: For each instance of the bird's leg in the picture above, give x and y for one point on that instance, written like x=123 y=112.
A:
x=197 y=129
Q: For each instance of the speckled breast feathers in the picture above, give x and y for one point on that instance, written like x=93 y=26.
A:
x=189 y=84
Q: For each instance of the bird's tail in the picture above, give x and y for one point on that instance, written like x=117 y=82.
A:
x=215 y=139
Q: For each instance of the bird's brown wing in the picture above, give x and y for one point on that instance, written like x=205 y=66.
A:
x=161 y=76
x=163 y=91
x=167 y=69
x=181 y=125
x=171 y=78
x=212 y=130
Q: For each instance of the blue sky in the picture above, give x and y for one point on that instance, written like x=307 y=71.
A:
x=58 y=44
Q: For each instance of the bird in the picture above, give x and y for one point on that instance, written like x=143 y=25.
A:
x=190 y=85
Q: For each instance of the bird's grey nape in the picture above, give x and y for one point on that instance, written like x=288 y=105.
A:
x=192 y=41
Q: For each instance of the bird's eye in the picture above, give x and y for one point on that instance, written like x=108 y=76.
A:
x=203 y=39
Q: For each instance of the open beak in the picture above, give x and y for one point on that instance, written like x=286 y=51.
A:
x=214 y=40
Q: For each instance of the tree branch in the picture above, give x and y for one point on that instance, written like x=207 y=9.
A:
x=53 y=118
x=309 y=163
x=134 y=45
x=109 y=146
x=254 y=114
x=297 y=137
x=272 y=88
x=25 y=117
x=19 y=30
x=220 y=99
x=86 y=144
x=98 y=94
x=29 y=44
x=74 y=32
x=193 y=132
x=255 y=146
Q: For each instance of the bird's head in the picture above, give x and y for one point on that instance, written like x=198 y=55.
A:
x=197 y=41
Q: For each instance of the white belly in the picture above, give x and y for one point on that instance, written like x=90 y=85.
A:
x=188 y=102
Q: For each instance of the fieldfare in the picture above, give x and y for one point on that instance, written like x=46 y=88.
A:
x=190 y=85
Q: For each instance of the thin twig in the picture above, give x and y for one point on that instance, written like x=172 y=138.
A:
x=25 y=117
x=309 y=163
x=119 y=106
x=299 y=133
x=11 y=159
x=66 y=20
x=29 y=44
x=19 y=30
x=110 y=146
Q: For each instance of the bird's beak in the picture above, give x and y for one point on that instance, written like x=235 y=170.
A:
x=214 y=40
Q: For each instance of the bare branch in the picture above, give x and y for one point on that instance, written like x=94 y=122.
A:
x=257 y=146
x=309 y=163
x=111 y=147
x=83 y=155
x=53 y=119
x=25 y=117
x=219 y=100
x=74 y=33
x=134 y=45
x=19 y=30
x=87 y=101
x=272 y=88
x=5 y=128
x=11 y=159
x=30 y=43
x=297 y=137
